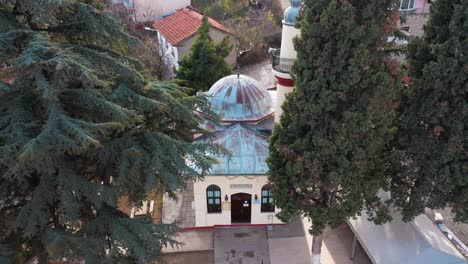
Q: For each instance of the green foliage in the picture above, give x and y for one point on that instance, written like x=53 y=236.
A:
x=429 y=155
x=255 y=26
x=203 y=4
x=252 y=30
x=205 y=64
x=325 y=158
x=81 y=127
x=222 y=9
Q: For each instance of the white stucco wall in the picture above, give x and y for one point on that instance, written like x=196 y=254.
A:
x=287 y=52
x=418 y=16
x=415 y=23
x=217 y=36
x=170 y=53
x=202 y=218
x=152 y=10
x=281 y=92
x=287 y=47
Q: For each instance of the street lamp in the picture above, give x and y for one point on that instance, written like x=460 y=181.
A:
x=151 y=29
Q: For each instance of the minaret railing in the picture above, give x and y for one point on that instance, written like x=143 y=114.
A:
x=279 y=64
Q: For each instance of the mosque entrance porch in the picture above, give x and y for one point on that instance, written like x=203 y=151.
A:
x=241 y=208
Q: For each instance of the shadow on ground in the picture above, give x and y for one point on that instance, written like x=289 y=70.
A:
x=195 y=257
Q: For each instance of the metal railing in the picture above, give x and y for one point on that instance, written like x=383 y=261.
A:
x=281 y=64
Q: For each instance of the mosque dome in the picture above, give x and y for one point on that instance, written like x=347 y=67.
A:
x=240 y=99
x=291 y=12
x=248 y=148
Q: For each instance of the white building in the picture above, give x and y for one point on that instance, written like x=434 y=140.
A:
x=416 y=13
x=148 y=10
x=283 y=59
x=177 y=32
x=236 y=191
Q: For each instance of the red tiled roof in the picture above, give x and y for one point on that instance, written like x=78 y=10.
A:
x=8 y=80
x=407 y=80
x=6 y=76
x=183 y=24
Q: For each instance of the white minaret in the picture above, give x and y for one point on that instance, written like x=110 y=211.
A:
x=284 y=58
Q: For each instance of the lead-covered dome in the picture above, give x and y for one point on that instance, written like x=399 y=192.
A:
x=240 y=99
x=248 y=148
x=291 y=12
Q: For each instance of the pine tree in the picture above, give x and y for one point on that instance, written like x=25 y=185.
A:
x=205 y=64
x=80 y=127
x=326 y=154
x=430 y=155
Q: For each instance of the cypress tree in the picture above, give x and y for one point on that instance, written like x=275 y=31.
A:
x=205 y=64
x=430 y=150
x=80 y=127
x=325 y=158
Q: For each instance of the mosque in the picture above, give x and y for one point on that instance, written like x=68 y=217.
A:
x=236 y=190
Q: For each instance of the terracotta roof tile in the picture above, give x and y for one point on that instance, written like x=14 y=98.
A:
x=183 y=24
x=6 y=75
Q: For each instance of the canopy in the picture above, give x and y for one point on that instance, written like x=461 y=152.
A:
x=397 y=242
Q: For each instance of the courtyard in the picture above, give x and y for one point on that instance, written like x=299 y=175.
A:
x=260 y=244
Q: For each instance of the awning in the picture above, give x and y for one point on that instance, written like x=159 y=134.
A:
x=397 y=242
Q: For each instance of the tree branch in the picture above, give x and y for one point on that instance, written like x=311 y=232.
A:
x=12 y=206
x=58 y=28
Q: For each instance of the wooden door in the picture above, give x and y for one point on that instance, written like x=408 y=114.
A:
x=241 y=208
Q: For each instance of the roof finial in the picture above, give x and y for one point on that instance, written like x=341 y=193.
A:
x=291 y=12
x=295 y=3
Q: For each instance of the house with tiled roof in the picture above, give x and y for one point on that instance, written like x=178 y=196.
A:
x=177 y=32
x=416 y=13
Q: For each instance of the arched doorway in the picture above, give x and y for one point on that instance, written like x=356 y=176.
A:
x=241 y=208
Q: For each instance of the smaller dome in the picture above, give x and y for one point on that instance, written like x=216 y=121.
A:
x=249 y=150
x=291 y=12
x=240 y=99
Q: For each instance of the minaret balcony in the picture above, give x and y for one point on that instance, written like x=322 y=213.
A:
x=283 y=65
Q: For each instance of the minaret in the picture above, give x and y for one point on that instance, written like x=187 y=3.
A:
x=283 y=59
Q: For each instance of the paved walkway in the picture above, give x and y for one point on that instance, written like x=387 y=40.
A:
x=293 y=229
x=241 y=245
x=290 y=250
x=337 y=245
x=284 y=244
x=193 y=240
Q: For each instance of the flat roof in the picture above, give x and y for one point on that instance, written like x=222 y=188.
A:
x=397 y=242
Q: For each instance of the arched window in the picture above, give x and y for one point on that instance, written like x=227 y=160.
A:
x=267 y=199
x=213 y=199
